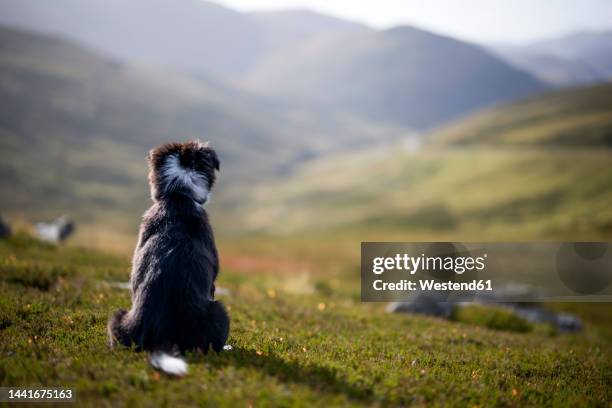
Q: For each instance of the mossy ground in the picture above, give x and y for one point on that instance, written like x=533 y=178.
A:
x=291 y=347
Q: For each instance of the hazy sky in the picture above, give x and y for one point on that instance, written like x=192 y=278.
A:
x=476 y=20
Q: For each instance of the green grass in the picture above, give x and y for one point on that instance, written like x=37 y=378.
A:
x=470 y=193
x=493 y=318
x=576 y=117
x=291 y=348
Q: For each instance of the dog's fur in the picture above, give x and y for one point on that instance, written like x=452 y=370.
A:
x=175 y=263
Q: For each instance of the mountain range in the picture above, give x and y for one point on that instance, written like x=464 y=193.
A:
x=188 y=35
x=86 y=88
x=583 y=57
x=75 y=127
x=402 y=76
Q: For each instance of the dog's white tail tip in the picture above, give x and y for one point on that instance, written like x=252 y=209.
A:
x=168 y=364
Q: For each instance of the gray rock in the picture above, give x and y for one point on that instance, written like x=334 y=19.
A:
x=424 y=304
x=564 y=322
x=437 y=305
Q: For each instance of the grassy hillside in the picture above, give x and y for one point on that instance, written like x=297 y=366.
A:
x=569 y=118
x=291 y=212
x=537 y=169
x=312 y=346
x=75 y=128
x=465 y=194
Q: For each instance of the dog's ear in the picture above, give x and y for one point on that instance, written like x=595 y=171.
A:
x=211 y=155
x=214 y=159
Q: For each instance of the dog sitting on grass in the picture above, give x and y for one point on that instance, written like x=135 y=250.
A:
x=175 y=263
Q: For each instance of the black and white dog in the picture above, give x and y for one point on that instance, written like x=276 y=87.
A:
x=175 y=263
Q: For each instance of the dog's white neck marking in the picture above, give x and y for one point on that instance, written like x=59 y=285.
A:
x=176 y=176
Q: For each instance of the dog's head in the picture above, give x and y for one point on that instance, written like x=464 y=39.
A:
x=182 y=168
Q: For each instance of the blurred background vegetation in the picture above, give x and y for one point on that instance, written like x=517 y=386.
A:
x=325 y=127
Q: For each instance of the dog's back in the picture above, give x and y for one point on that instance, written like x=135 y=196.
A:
x=174 y=268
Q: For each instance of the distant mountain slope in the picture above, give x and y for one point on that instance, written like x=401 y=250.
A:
x=75 y=128
x=187 y=34
x=552 y=69
x=540 y=168
x=306 y=22
x=472 y=194
x=578 y=58
x=402 y=75
x=53 y=85
x=592 y=47
x=287 y=29
x=573 y=117
x=193 y=35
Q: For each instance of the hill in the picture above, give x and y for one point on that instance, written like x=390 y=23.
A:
x=536 y=169
x=189 y=35
x=403 y=75
x=453 y=194
x=317 y=347
x=76 y=127
x=308 y=23
x=593 y=48
x=574 y=117
x=557 y=71
x=577 y=58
